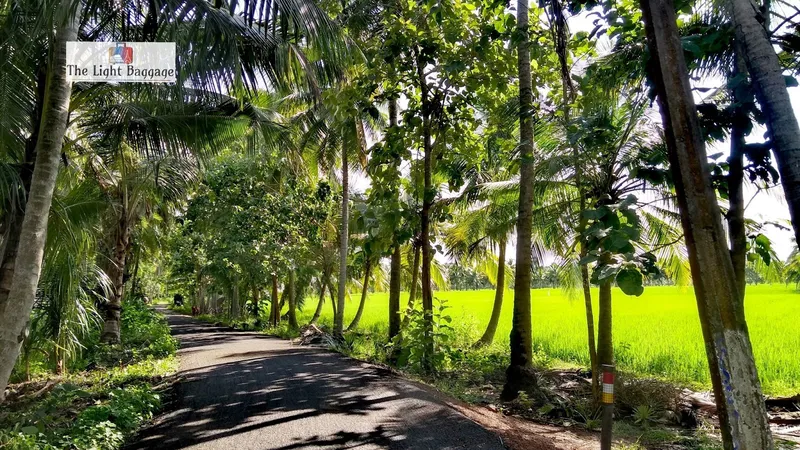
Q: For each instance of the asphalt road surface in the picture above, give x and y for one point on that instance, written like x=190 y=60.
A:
x=248 y=391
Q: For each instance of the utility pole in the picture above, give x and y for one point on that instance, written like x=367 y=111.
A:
x=608 y=406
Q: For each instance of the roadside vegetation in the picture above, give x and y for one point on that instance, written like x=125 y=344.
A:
x=106 y=394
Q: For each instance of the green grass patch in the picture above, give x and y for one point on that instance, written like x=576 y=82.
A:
x=657 y=334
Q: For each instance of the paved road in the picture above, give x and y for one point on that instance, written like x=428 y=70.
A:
x=249 y=391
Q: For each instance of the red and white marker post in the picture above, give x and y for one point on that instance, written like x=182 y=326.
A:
x=608 y=406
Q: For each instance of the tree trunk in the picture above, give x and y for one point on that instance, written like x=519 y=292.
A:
x=491 y=328
x=428 y=196
x=605 y=344
x=318 y=311
x=737 y=389
x=292 y=288
x=202 y=304
x=587 y=302
x=736 y=225
x=116 y=270
x=235 y=312
x=256 y=300
x=395 y=266
x=394 y=292
x=519 y=369
x=275 y=312
x=412 y=290
x=17 y=309
x=344 y=235
x=16 y=211
x=568 y=92
x=330 y=293
x=367 y=272
x=773 y=96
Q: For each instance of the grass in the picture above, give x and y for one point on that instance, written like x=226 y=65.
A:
x=657 y=334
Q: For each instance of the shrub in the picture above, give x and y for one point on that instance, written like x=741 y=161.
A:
x=98 y=409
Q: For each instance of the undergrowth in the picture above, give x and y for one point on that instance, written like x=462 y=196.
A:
x=100 y=407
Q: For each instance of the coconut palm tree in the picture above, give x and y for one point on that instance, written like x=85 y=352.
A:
x=270 y=51
x=519 y=369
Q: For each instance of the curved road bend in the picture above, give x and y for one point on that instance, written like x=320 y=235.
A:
x=244 y=390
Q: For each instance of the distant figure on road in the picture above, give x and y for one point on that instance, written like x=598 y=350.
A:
x=177 y=300
x=195 y=311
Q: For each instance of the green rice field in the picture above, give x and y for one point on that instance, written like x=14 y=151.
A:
x=657 y=334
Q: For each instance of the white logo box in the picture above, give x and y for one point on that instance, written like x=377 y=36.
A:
x=121 y=62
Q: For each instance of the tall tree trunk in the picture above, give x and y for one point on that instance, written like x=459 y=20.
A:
x=568 y=92
x=773 y=96
x=395 y=266
x=605 y=344
x=344 y=235
x=318 y=311
x=367 y=272
x=519 y=369
x=395 y=270
x=737 y=233
x=737 y=389
x=428 y=196
x=116 y=270
x=16 y=211
x=499 y=290
x=275 y=311
x=17 y=309
x=291 y=294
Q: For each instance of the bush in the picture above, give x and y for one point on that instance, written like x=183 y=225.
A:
x=144 y=334
x=98 y=409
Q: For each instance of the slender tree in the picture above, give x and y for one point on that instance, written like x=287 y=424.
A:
x=364 y=289
x=762 y=62
x=291 y=288
x=499 y=291
x=17 y=308
x=519 y=370
x=734 y=376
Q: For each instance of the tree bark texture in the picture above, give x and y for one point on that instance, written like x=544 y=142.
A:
x=428 y=196
x=17 y=309
x=394 y=292
x=344 y=234
x=737 y=389
x=773 y=96
x=318 y=311
x=275 y=311
x=518 y=373
x=115 y=270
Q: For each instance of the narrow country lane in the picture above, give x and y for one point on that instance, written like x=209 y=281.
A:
x=248 y=391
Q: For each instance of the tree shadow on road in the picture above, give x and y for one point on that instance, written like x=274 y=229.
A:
x=264 y=394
